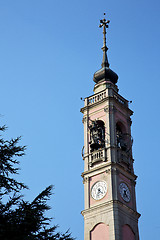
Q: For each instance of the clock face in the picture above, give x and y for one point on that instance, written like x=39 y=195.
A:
x=125 y=192
x=99 y=190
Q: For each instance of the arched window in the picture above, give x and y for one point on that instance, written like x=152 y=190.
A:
x=100 y=232
x=121 y=136
x=97 y=135
x=127 y=233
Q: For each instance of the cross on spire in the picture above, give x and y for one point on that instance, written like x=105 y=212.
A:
x=104 y=23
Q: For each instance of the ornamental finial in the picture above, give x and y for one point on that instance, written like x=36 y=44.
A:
x=104 y=24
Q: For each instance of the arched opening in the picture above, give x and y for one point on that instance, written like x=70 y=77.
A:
x=121 y=136
x=100 y=232
x=97 y=135
x=127 y=233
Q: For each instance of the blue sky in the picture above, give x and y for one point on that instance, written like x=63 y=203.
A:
x=49 y=51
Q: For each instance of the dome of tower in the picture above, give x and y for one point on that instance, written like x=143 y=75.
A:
x=105 y=74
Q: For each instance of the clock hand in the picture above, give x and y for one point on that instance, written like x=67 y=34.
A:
x=99 y=191
x=125 y=194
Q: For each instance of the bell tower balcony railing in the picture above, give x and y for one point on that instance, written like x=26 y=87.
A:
x=97 y=156
x=98 y=97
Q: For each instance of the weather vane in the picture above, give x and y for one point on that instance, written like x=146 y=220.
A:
x=104 y=23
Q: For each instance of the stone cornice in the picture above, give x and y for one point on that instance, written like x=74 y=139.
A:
x=107 y=206
x=109 y=168
x=111 y=95
x=96 y=170
x=93 y=105
x=109 y=98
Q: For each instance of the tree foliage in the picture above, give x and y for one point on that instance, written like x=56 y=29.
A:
x=20 y=219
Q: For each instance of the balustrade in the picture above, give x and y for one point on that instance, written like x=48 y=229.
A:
x=100 y=96
x=96 y=98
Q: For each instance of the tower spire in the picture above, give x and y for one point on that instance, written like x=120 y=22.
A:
x=104 y=23
x=105 y=73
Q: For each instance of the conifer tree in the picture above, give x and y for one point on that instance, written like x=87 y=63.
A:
x=20 y=219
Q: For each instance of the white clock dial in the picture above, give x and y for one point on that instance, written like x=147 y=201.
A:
x=125 y=192
x=99 y=190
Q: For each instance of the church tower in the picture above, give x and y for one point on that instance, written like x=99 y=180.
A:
x=109 y=180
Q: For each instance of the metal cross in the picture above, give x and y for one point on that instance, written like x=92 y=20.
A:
x=104 y=24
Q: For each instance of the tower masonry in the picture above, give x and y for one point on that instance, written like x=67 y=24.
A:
x=109 y=180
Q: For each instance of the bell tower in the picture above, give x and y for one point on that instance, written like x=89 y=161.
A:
x=109 y=180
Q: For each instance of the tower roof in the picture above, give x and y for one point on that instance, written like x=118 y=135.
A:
x=105 y=73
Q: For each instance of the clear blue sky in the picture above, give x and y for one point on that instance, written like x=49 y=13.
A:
x=49 y=51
